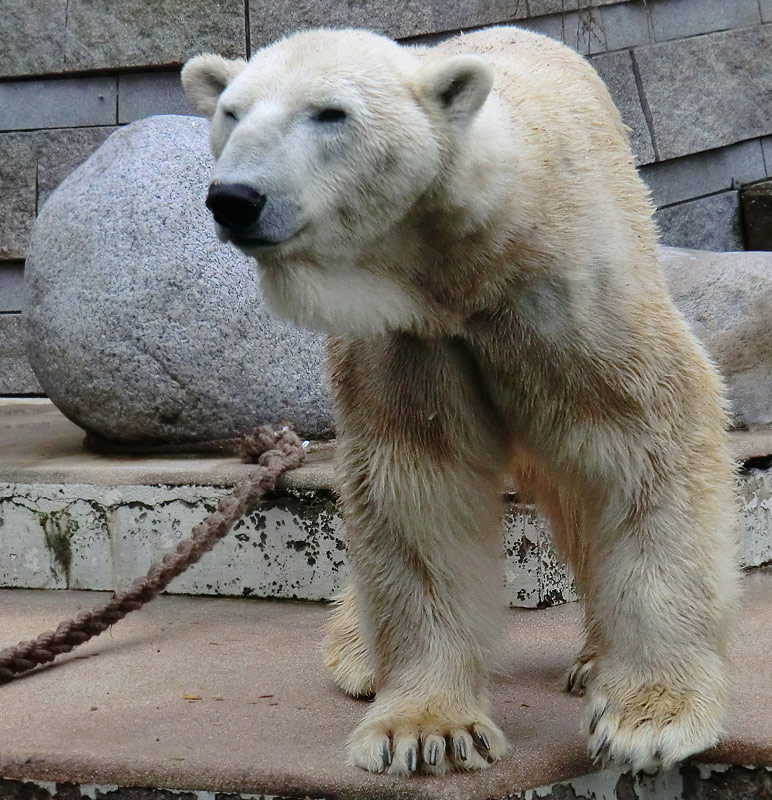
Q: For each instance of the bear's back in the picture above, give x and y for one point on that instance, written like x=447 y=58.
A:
x=548 y=87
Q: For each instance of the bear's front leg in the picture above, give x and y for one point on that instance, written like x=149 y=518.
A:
x=426 y=560
x=421 y=465
x=664 y=586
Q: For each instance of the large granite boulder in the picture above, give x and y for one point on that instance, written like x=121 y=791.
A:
x=140 y=325
x=727 y=301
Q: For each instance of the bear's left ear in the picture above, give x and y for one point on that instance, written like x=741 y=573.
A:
x=204 y=77
x=457 y=85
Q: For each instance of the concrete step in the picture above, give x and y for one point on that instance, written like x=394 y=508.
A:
x=228 y=698
x=78 y=520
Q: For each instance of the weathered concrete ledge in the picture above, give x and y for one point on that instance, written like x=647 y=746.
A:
x=78 y=520
x=229 y=698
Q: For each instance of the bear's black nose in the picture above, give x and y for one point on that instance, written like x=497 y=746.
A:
x=234 y=205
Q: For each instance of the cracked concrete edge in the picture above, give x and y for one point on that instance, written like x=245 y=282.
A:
x=11 y=789
x=86 y=536
x=692 y=781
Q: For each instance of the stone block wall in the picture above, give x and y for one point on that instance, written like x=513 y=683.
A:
x=691 y=78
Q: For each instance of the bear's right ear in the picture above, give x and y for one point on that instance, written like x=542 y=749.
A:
x=204 y=77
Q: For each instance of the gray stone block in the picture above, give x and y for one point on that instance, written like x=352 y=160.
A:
x=709 y=223
x=11 y=286
x=141 y=326
x=551 y=25
x=16 y=376
x=708 y=91
x=766 y=149
x=766 y=10
x=626 y=25
x=57 y=103
x=690 y=17
x=616 y=69
x=399 y=19
x=32 y=37
x=61 y=151
x=727 y=301
x=31 y=166
x=541 y=7
x=136 y=33
x=517 y=10
x=580 y=30
x=704 y=173
x=17 y=193
x=145 y=94
x=583 y=31
x=449 y=15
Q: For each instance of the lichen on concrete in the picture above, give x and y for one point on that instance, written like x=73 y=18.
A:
x=755 y=509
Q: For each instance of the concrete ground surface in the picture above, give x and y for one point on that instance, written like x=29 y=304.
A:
x=38 y=444
x=227 y=695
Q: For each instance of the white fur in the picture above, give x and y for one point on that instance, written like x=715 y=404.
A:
x=339 y=300
x=475 y=236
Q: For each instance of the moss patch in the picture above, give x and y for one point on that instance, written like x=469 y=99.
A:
x=59 y=528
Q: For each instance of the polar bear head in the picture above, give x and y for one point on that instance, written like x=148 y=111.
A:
x=327 y=145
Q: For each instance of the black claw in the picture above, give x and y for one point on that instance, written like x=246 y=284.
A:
x=481 y=739
x=460 y=748
x=601 y=745
x=599 y=712
x=386 y=755
x=412 y=759
x=434 y=751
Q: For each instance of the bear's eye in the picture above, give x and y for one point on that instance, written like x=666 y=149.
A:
x=330 y=114
x=230 y=115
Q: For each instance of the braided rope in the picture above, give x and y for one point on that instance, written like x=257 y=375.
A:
x=274 y=453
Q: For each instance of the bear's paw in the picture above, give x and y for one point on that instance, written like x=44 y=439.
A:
x=408 y=744
x=650 y=727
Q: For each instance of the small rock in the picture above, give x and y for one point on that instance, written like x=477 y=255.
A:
x=140 y=325
x=727 y=300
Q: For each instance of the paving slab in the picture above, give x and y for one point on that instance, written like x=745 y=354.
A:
x=707 y=223
x=11 y=286
x=38 y=444
x=231 y=696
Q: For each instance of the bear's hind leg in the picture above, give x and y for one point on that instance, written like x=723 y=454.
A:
x=580 y=672
x=347 y=654
x=558 y=504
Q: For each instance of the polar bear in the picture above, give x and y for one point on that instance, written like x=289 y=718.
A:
x=466 y=224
